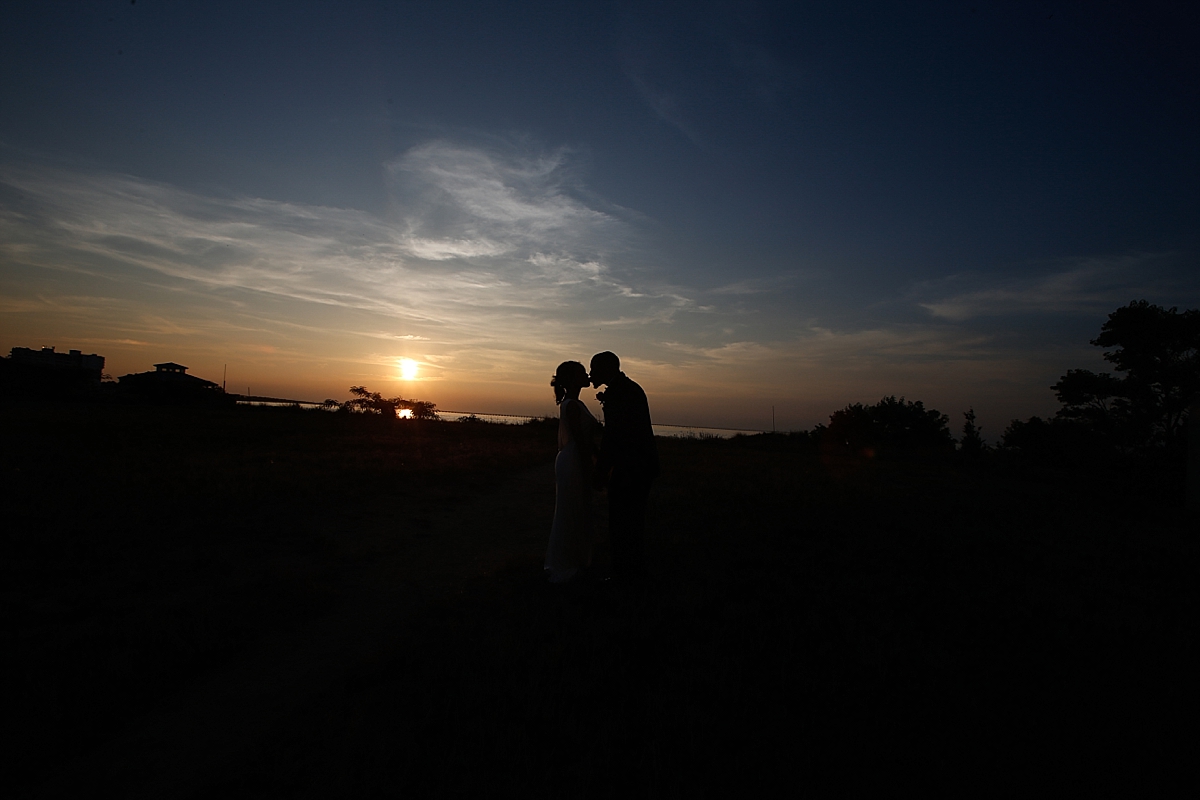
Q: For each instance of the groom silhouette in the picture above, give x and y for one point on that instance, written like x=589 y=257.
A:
x=628 y=461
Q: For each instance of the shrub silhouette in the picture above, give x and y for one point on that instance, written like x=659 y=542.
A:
x=1058 y=442
x=890 y=426
x=368 y=402
x=972 y=444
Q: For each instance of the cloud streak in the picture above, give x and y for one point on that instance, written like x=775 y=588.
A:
x=666 y=107
x=474 y=237
x=1082 y=286
x=490 y=266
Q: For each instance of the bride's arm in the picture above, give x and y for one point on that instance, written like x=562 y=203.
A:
x=574 y=425
x=585 y=447
x=591 y=452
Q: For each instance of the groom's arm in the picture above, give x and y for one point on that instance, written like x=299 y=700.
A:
x=642 y=448
x=610 y=438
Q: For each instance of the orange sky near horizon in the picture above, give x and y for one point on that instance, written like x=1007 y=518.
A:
x=303 y=302
x=803 y=391
x=755 y=207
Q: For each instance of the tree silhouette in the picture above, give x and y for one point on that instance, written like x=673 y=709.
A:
x=891 y=424
x=1158 y=350
x=368 y=402
x=972 y=443
x=1100 y=401
x=1156 y=353
x=1088 y=395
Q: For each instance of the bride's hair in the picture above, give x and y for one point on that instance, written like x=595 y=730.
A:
x=569 y=374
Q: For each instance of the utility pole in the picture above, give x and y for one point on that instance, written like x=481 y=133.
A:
x=224 y=375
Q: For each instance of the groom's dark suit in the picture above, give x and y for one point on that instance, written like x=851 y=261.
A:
x=628 y=451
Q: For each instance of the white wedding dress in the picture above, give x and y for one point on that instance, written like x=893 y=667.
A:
x=572 y=536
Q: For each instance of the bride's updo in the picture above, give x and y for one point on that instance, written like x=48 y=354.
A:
x=568 y=375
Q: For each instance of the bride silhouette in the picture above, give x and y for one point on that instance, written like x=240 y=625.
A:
x=572 y=536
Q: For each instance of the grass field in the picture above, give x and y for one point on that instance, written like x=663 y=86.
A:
x=309 y=604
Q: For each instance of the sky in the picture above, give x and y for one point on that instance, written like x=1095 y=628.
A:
x=759 y=207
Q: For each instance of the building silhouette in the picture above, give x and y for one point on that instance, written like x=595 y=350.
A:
x=169 y=381
x=48 y=374
x=92 y=364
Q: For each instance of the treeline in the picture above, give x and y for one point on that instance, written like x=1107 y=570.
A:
x=1141 y=411
x=1138 y=414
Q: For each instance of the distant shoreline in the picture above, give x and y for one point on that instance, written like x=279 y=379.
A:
x=672 y=429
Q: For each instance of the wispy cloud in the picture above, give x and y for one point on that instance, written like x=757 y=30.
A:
x=474 y=235
x=1080 y=286
x=490 y=266
x=833 y=350
x=756 y=285
x=461 y=201
x=666 y=106
x=487 y=261
x=767 y=76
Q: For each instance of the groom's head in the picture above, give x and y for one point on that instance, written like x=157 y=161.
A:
x=606 y=368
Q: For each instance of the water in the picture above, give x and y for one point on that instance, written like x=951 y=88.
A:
x=680 y=431
x=275 y=404
x=502 y=419
x=688 y=432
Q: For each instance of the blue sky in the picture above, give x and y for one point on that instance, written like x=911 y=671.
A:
x=755 y=205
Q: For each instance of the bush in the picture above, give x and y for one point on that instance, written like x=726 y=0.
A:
x=891 y=426
x=367 y=402
x=1057 y=442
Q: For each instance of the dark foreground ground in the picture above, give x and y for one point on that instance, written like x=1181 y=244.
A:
x=305 y=604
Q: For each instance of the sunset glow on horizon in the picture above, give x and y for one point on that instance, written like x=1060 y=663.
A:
x=768 y=211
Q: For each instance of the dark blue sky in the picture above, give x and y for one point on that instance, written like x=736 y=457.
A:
x=788 y=204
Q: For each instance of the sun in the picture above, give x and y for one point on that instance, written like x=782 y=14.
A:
x=408 y=369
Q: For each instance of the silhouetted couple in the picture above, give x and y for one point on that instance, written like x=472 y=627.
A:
x=625 y=464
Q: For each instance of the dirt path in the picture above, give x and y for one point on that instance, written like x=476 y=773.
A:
x=192 y=738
